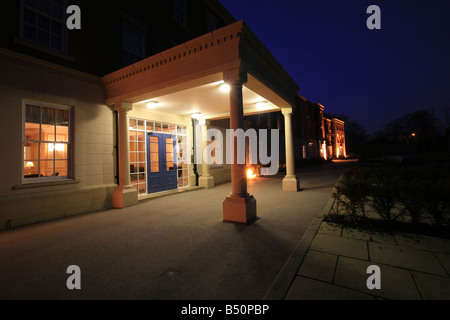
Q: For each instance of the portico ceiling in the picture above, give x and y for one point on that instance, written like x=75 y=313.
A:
x=209 y=101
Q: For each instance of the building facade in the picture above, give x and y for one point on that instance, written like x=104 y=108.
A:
x=104 y=116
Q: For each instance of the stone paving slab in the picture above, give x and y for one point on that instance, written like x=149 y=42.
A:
x=396 y=283
x=340 y=246
x=310 y=289
x=432 y=287
x=318 y=265
x=330 y=228
x=408 y=258
x=444 y=259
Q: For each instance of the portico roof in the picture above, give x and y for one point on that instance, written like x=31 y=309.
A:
x=187 y=78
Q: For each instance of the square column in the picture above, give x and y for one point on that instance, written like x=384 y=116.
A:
x=290 y=181
x=239 y=206
x=125 y=194
x=206 y=180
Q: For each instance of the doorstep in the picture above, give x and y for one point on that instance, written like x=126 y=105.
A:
x=168 y=193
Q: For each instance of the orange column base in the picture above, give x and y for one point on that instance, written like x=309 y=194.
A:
x=124 y=197
x=241 y=210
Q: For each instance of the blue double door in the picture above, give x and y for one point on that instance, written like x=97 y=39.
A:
x=161 y=166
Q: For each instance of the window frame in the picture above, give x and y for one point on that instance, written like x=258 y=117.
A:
x=69 y=143
x=143 y=36
x=180 y=9
x=64 y=31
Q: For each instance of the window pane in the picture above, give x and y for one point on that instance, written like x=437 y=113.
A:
x=31 y=131
x=157 y=126
x=62 y=134
x=141 y=125
x=154 y=157
x=31 y=3
x=133 y=146
x=29 y=17
x=141 y=157
x=133 y=178
x=61 y=168
x=43 y=38
x=154 y=167
x=141 y=136
x=133 y=124
x=133 y=135
x=47 y=151
x=149 y=125
x=141 y=146
x=31 y=151
x=133 y=157
x=44 y=6
x=60 y=151
x=48 y=115
x=44 y=23
x=47 y=132
x=46 y=168
x=31 y=169
x=30 y=33
x=57 y=11
x=33 y=114
x=133 y=167
x=169 y=145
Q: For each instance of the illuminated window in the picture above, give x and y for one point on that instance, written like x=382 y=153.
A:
x=133 y=45
x=179 y=11
x=47 y=142
x=43 y=22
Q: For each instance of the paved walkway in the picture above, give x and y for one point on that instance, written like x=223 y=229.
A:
x=174 y=247
x=177 y=247
x=331 y=263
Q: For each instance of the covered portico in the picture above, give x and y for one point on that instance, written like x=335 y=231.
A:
x=189 y=79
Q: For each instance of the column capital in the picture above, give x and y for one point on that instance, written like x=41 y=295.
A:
x=123 y=106
x=204 y=122
x=287 y=111
x=235 y=76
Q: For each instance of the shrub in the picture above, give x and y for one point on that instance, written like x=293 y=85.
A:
x=351 y=192
x=384 y=192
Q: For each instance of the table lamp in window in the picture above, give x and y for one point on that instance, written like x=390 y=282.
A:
x=29 y=165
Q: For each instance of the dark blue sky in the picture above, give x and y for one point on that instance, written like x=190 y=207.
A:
x=372 y=76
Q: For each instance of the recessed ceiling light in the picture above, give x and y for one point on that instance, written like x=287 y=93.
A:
x=225 y=88
x=152 y=104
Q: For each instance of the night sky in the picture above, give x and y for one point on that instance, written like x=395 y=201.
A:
x=371 y=76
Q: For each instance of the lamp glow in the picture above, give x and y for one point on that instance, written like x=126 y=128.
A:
x=225 y=88
x=152 y=104
x=250 y=174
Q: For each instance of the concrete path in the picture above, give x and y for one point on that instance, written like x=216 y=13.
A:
x=172 y=247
